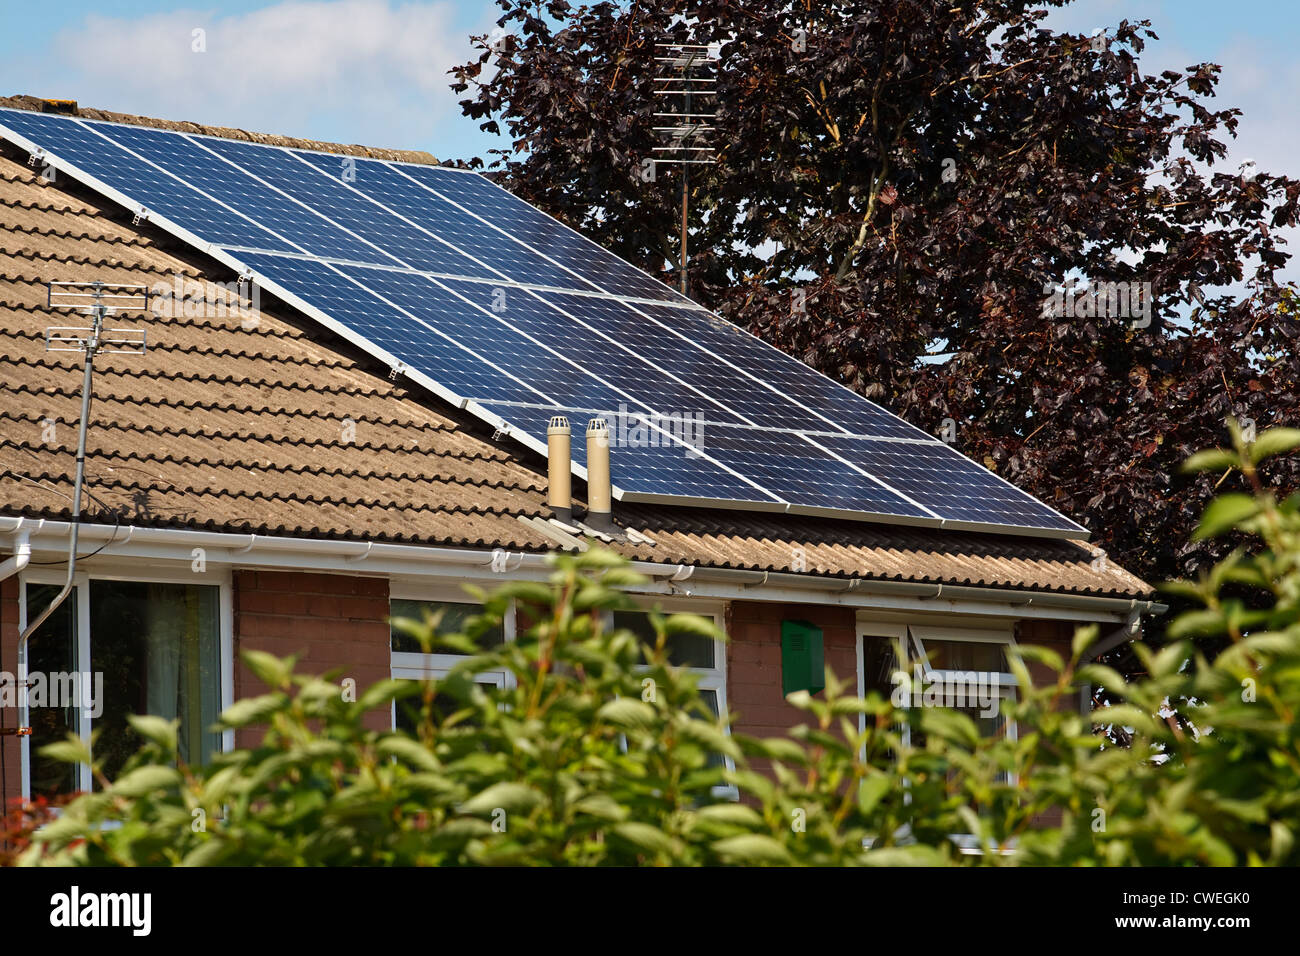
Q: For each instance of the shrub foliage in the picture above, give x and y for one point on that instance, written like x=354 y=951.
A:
x=599 y=752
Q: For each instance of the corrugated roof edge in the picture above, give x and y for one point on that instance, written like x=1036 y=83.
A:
x=1145 y=593
x=68 y=107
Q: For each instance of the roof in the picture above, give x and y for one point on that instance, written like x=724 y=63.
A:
x=265 y=422
x=38 y=105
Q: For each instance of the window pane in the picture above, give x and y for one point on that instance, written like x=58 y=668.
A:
x=159 y=649
x=991 y=726
x=711 y=701
x=879 y=662
x=985 y=656
x=51 y=650
x=444 y=705
x=684 y=650
x=455 y=615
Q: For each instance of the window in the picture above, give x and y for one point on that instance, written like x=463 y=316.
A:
x=452 y=618
x=115 y=648
x=52 y=650
x=969 y=670
x=409 y=662
x=703 y=656
x=957 y=668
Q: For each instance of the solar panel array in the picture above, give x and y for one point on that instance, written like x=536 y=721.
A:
x=503 y=310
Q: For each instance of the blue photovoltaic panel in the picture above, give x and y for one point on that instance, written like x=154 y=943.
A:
x=478 y=328
x=633 y=380
x=716 y=391
x=796 y=470
x=204 y=171
x=493 y=303
x=501 y=255
x=413 y=339
x=948 y=483
x=408 y=243
x=772 y=372
x=102 y=158
x=543 y=233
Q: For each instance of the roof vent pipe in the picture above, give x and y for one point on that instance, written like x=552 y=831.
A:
x=599 y=505
x=559 y=469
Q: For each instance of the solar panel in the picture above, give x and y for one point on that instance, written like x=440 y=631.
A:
x=504 y=311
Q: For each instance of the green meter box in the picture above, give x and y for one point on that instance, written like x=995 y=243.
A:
x=803 y=660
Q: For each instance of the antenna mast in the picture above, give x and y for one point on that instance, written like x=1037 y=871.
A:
x=92 y=298
x=685 y=83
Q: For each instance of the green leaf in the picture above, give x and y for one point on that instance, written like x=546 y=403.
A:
x=1126 y=715
x=145 y=780
x=1275 y=441
x=69 y=750
x=159 y=730
x=511 y=797
x=270 y=670
x=1043 y=655
x=601 y=806
x=951 y=725
x=751 y=849
x=1206 y=623
x=628 y=713
x=1084 y=638
x=410 y=752
x=871 y=791
x=733 y=813
x=711 y=737
x=781 y=748
x=382 y=693
x=251 y=710
x=693 y=624
x=645 y=837
x=207 y=853
x=905 y=856
x=1225 y=512
x=1215 y=459
x=1282 y=840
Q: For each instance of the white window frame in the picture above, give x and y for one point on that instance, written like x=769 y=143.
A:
x=709 y=678
x=221 y=579
x=918 y=634
x=914 y=637
x=412 y=665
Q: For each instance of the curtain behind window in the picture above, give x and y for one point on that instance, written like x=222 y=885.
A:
x=159 y=646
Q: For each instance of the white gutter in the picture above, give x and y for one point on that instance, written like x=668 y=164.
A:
x=22 y=556
x=387 y=559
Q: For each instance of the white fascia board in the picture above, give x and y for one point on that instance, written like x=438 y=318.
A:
x=111 y=544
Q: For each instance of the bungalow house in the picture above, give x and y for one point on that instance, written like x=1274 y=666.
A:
x=256 y=477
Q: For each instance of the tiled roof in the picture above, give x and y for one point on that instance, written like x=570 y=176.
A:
x=266 y=423
x=39 y=105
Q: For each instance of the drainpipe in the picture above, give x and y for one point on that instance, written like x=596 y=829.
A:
x=1130 y=630
x=559 y=469
x=19 y=560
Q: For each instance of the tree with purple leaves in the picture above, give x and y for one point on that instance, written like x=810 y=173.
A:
x=905 y=196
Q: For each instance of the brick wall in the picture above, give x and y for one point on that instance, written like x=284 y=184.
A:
x=1057 y=635
x=754 y=660
x=331 y=621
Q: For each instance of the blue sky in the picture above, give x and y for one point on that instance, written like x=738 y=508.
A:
x=373 y=71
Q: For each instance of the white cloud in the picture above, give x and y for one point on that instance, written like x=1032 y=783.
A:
x=373 y=70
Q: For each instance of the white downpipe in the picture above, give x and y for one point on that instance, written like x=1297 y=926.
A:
x=22 y=556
